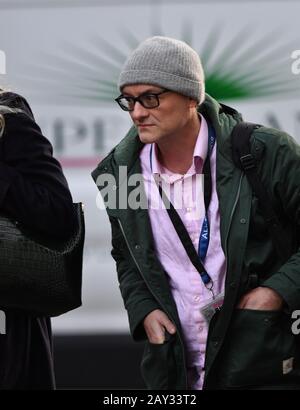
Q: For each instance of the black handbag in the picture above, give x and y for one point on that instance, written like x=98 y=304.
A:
x=38 y=275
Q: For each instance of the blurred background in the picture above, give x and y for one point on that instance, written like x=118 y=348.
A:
x=65 y=56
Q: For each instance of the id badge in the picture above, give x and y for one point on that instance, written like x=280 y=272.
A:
x=209 y=310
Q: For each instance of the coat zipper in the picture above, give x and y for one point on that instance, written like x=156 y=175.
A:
x=227 y=233
x=232 y=212
x=137 y=265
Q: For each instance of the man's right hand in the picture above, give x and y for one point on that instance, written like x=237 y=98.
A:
x=155 y=324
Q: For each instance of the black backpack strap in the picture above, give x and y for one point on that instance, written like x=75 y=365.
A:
x=243 y=159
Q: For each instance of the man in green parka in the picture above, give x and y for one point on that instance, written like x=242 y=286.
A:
x=203 y=283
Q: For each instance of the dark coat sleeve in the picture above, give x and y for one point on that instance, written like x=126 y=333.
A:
x=284 y=160
x=33 y=189
x=138 y=300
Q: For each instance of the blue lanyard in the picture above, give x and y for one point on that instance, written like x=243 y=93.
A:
x=205 y=230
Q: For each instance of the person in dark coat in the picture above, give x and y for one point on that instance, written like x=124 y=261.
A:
x=33 y=191
x=226 y=324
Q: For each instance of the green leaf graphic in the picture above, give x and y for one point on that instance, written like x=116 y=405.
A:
x=244 y=69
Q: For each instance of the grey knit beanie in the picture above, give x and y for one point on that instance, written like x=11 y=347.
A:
x=167 y=63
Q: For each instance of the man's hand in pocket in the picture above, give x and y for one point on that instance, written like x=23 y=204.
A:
x=261 y=299
x=156 y=324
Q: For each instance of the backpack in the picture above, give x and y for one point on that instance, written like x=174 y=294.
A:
x=244 y=160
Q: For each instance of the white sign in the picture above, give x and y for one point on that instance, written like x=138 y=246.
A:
x=66 y=61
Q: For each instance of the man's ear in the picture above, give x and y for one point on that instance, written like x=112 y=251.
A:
x=193 y=103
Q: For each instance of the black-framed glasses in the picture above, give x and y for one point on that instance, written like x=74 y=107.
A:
x=147 y=100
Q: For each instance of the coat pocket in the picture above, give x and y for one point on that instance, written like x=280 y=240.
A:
x=260 y=350
x=158 y=365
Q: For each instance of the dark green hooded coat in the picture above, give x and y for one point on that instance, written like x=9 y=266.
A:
x=245 y=348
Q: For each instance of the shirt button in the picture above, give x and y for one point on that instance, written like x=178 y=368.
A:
x=196 y=298
x=188 y=209
x=243 y=221
x=200 y=328
x=114 y=187
x=137 y=247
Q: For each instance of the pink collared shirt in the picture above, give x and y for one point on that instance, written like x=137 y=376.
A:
x=187 y=288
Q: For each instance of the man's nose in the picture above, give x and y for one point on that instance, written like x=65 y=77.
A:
x=139 y=112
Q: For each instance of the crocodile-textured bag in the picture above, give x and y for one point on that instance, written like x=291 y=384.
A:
x=38 y=275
